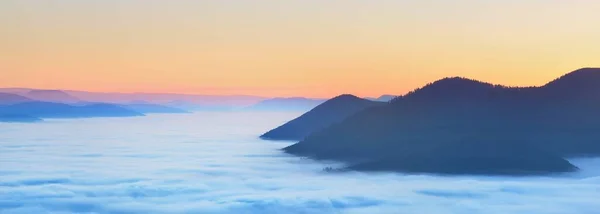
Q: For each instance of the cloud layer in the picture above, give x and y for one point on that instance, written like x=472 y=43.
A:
x=213 y=163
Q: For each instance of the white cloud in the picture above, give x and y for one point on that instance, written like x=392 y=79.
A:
x=101 y=166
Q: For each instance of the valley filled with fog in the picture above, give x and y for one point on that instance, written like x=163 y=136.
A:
x=214 y=162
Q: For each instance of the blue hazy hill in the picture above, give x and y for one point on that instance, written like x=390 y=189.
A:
x=16 y=118
x=60 y=110
x=9 y=99
x=285 y=104
x=382 y=98
x=57 y=96
x=148 y=108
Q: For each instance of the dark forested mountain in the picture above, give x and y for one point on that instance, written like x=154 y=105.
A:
x=8 y=99
x=446 y=126
x=471 y=156
x=579 y=86
x=59 y=110
x=322 y=116
x=286 y=104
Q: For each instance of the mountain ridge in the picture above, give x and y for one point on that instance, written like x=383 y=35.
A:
x=451 y=110
x=329 y=112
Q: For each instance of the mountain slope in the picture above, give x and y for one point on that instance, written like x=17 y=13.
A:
x=322 y=116
x=455 y=111
x=8 y=99
x=483 y=156
x=56 y=96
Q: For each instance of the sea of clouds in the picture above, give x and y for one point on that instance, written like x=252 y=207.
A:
x=214 y=163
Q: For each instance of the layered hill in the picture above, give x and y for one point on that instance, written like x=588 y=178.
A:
x=8 y=99
x=59 y=110
x=427 y=130
x=15 y=118
x=330 y=112
x=148 y=108
x=382 y=98
x=56 y=96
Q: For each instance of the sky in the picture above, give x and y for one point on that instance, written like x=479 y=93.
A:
x=310 y=48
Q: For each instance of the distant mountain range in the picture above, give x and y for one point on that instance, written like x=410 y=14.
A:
x=16 y=118
x=462 y=126
x=9 y=99
x=144 y=103
x=56 y=96
x=33 y=105
x=192 y=101
x=285 y=104
x=59 y=110
x=324 y=115
x=148 y=108
x=382 y=98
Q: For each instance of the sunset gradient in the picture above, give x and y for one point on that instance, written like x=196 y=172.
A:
x=311 y=48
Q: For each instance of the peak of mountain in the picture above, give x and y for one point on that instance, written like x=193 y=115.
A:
x=584 y=73
x=330 y=112
x=585 y=77
x=459 y=91
x=8 y=99
x=52 y=96
x=451 y=87
x=344 y=98
x=582 y=85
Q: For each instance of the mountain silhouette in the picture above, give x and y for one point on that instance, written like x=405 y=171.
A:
x=189 y=102
x=578 y=86
x=56 y=96
x=148 y=108
x=60 y=110
x=8 y=99
x=330 y=112
x=425 y=130
x=285 y=104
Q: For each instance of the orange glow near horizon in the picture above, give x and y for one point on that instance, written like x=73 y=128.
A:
x=291 y=48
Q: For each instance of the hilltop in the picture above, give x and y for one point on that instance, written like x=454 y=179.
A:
x=8 y=99
x=330 y=112
x=56 y=96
